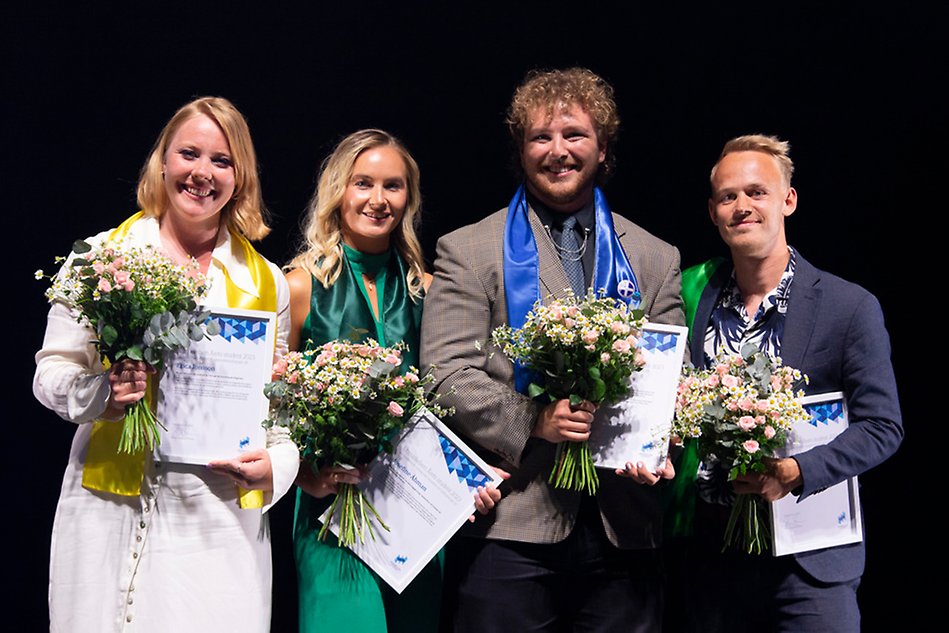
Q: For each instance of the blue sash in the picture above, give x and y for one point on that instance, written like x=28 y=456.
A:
x=612 y=274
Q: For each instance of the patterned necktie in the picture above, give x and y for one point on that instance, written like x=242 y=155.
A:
x=571 y=255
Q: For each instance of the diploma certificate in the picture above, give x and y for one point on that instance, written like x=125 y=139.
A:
x=211 y=395
x=424 y=491
x=637 y=429
x=832 y=516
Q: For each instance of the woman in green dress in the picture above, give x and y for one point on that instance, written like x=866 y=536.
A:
x=359 y=274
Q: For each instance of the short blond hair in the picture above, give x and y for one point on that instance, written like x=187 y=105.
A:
x=245 y=212
x=548 y=89
x=321 y=250
x=770 y=145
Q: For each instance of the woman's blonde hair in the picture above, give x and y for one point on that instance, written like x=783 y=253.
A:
x=321 y=250
x=245 y=212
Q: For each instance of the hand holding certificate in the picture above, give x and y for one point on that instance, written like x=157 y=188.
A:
x=424 y=488
x=211 y=397
x=831 y=517
x=637 y=429
x=343 y=402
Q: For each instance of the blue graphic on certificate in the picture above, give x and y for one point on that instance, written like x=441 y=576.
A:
x=831 y=517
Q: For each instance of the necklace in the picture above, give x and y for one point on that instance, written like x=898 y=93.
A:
x=569 y=254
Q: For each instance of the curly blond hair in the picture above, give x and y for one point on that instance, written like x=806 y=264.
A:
x=549 y=89
x=321 y=250
x=245 y=212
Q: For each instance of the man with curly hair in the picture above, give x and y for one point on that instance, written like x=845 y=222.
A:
x=548 y=558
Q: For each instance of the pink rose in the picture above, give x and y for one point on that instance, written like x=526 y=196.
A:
x=99 y=267
x=399 y=381
x=411 y=377
x=731 y=405
x=775 y=383
x=721 y=369
x=104 y=285
x=293 y=377
x=730 y=381
x=621 y=346
x=712 y=381
x=759 y=420
x=639 y=358
x=129 y=286
x=394 y=359
x=769 y=432
x=590 y=348
x=118 y=262
x=569 y=323
x=280 y=367
x=751 y=446
x=395 y=409
x=762 y=406
x=618 y=327
x=572 y=312
x=746 y=423
x=121 y=276
x=590 y=336
x=746 y=404
x=555 y=313
x=605 y=357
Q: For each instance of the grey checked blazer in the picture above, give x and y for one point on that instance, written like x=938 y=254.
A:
x=464 y=304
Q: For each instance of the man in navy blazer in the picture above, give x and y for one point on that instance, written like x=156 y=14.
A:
x=830 y=329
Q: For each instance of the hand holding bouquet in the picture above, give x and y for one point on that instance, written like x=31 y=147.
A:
x=740 y=413
x=140 y=304
x=343 y=402
x=580 y=348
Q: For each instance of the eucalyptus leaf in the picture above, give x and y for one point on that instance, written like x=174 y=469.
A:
x=534 y=390
x=81 y=246
x=135 y=352
x=213 y=327
x=108 y=335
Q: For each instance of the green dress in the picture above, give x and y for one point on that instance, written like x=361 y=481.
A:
x=337 y=592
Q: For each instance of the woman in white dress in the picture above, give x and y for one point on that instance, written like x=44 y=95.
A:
x=145 y=545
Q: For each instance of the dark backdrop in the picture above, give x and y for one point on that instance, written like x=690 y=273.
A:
x=87 y=88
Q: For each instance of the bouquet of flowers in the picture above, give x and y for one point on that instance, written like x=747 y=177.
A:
x=581 y=348
x=343 y=402
x=740 y=413
x=140 y=304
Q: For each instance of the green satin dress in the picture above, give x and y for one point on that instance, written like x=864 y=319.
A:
x=337 y=592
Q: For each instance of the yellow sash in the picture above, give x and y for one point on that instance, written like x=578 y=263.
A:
x=108 y=470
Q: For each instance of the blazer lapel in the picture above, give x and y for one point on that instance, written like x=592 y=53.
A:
x=704 y=312
x=803 y=307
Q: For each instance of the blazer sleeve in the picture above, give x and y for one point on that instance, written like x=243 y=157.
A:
x=866 y=375
x=458 y=315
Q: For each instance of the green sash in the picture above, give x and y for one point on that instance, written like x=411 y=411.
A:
x=342 y=311
x=680 y=496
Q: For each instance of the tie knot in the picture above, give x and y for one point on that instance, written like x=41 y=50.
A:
x=569 y=223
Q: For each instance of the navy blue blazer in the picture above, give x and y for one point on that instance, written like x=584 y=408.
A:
x=834 y=333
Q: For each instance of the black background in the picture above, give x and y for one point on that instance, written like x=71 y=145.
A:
x=856 y=90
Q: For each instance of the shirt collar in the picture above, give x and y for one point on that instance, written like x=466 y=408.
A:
x=776 y=298
x=586 y=218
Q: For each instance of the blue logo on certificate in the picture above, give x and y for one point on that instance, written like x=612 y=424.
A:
x=461 y=466
x=243 y=329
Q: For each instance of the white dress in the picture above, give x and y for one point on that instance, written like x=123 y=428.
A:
x=182 y=556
